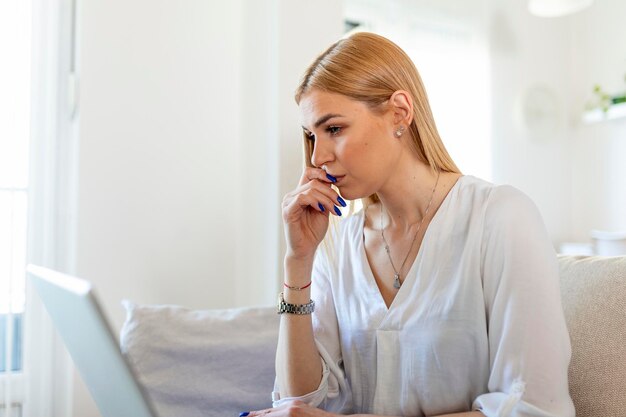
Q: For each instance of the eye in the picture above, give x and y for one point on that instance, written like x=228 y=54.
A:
x=333 y=130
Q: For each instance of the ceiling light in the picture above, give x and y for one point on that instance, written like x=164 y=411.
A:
x=557 y=8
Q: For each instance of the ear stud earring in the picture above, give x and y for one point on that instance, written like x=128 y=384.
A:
x=399 y=131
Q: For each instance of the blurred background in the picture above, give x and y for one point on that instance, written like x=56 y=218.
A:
x=146 y=145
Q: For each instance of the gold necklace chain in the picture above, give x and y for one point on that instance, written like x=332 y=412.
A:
x=396 y=277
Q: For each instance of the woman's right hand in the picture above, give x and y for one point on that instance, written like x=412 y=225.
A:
x=306 y=210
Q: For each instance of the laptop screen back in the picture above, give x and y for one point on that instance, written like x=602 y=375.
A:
x=92 y=345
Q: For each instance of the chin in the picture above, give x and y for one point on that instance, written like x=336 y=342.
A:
x=350 y=194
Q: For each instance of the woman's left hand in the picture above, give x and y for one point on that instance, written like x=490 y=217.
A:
x=292 y=409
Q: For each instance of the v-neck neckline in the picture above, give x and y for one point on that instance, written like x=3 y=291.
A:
x=411 y=276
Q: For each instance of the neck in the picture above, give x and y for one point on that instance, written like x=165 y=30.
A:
x=407 y=193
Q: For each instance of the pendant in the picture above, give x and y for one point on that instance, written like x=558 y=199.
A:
x=396 y=281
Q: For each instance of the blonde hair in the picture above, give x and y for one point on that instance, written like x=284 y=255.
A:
x=370 y=68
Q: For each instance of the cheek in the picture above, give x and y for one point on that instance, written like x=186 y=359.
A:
x=354 y=158
x=358 y=155
x=350 y=154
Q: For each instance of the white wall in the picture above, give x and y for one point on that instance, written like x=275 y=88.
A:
x=598 y=50
x=577 y=175
x=189 y=136
x=159 y=135
x=528 y=52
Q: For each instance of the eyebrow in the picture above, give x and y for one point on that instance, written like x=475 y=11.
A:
x=324 y=119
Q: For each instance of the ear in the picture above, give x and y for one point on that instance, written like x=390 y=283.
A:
x=401 y=104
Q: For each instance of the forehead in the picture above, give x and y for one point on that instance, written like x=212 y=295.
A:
x=316 y=104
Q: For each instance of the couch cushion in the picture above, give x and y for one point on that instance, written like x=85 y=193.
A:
x=202 y=363
x=594 y=301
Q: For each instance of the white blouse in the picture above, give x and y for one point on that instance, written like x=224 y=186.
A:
x=476 y=325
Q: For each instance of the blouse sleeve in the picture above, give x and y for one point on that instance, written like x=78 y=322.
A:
x=528 y=340
x=333 y=393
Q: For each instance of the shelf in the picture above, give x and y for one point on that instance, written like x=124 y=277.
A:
x=616 y=111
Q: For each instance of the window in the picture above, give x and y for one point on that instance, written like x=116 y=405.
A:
x=15 y=44
x=37 y=166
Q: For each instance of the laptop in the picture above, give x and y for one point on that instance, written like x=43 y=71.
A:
x=89 y=339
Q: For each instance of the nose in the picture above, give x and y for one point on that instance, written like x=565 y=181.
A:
x=322 y=152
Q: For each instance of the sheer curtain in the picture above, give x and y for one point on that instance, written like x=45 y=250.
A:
x=447 y=41
x=37 y=160
x=15 y=41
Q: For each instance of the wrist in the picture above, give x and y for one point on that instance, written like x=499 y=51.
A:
x=295 y=259
x=295 y=287
x=298 y=269
x=298 y=274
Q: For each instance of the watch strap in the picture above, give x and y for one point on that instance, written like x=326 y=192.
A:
x=300 y=309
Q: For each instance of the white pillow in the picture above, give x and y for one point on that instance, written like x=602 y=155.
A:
x=202 y=363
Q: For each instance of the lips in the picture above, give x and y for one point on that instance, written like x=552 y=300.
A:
x=339 y=178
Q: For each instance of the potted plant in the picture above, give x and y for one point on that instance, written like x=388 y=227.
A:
x=603 y=100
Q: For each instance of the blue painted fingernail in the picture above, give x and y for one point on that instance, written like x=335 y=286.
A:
x=244 y=414
x=341 y=201
x=321 y=207
x=337 y=211
x=330 y=177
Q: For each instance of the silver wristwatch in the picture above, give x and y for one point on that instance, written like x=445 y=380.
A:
x=301 y=309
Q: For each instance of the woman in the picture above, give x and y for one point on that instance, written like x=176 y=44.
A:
x=441 y=296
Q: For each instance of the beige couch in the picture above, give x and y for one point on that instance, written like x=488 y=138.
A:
x=594 y=301
x=220 y=362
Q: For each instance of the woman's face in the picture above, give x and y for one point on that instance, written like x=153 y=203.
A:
x=351 y=142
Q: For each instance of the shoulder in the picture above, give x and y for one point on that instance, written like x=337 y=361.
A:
x=506 y=215
x=507 y=204
x=496 y=202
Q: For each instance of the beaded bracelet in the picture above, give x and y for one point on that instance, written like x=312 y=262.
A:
x=289 y=287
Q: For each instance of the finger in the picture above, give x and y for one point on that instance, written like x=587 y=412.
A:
x=256 y=413
x=322 y=188
x=311 y=173
x=328 y=200
x=316 y=200
x=307 y=202
x=328 y=192
x=298 y=201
